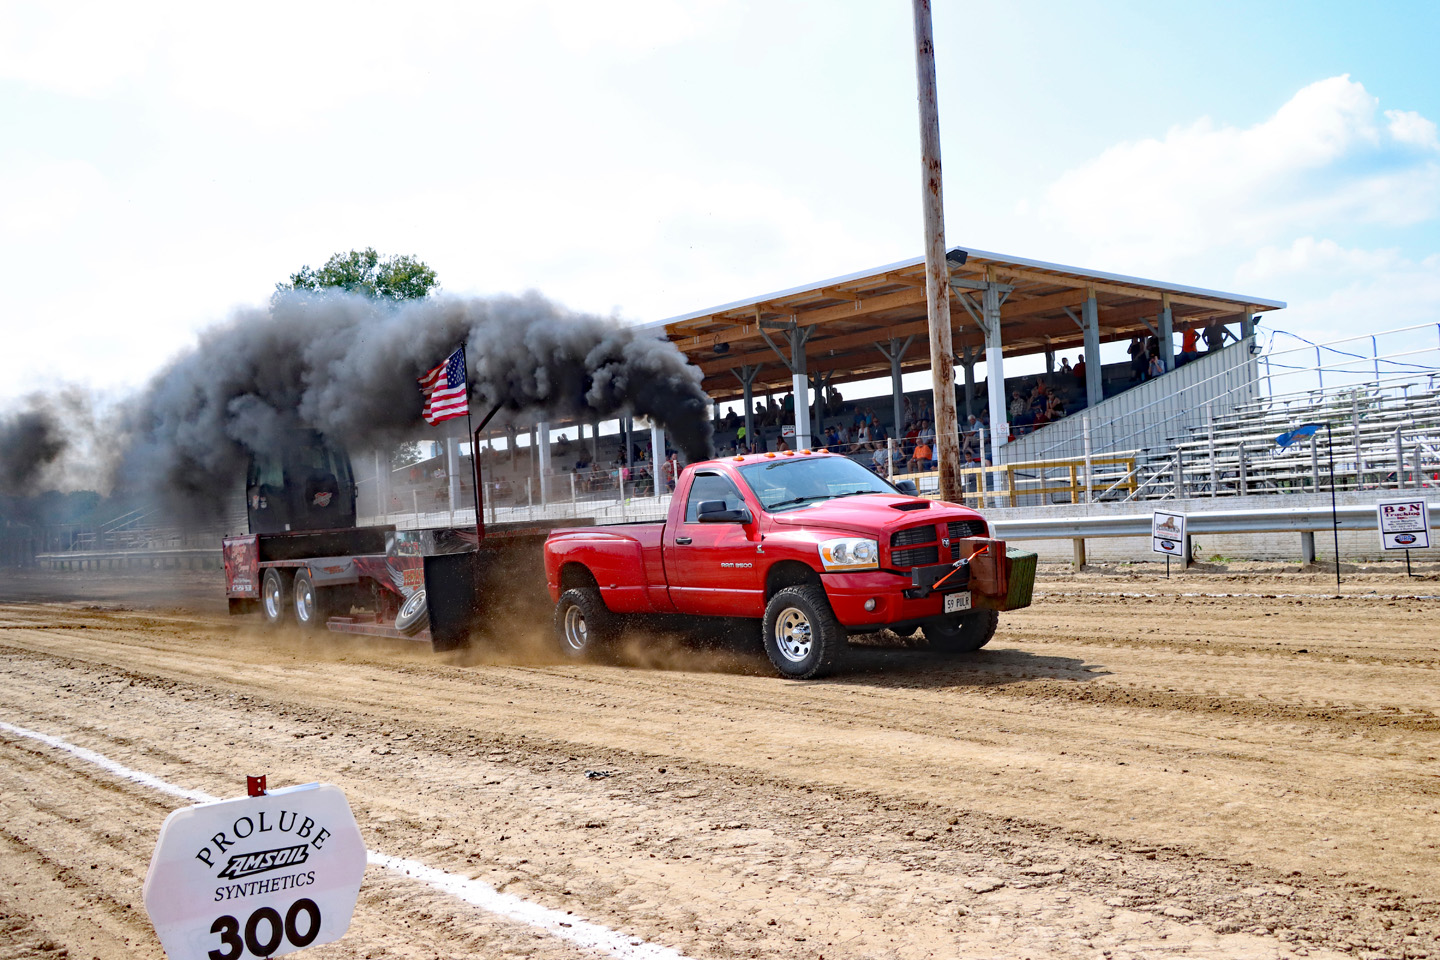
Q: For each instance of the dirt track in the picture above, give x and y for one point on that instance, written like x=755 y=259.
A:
x=1116 y=776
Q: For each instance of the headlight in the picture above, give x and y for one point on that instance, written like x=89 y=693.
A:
x=850 y=553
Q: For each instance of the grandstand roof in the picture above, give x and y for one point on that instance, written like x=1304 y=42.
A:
x=852 y=313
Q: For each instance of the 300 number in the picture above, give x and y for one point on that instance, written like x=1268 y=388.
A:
x=276 y=930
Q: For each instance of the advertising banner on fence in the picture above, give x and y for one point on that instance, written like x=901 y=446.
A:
x=1404 y=524
x=1167 y=534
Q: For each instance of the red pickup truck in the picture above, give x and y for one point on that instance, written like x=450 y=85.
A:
x=813 y=545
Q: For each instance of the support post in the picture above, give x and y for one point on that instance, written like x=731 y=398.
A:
x=746 y=375
x=544 y=461
x=1167 y=333
x=1314 y=464
x=382 y=486
x=1307 y=547
x=937 y=279
x=452 y=471
x=1089 y=475
x=1399 y=461
x=628 y=432
x=657 y=454
x=895 y=353
x=800 y=386
x=1240 y=468
x=1079 y=554
x=968 y=358
x=1090 y=327
x=995 y=368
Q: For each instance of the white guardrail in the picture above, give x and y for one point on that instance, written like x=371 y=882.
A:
x=1282 y=520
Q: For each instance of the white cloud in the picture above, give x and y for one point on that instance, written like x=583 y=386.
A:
x=1407 y=126
x=80 y=48
x=1306 y=255
x=1322 y=157
x=39 y=199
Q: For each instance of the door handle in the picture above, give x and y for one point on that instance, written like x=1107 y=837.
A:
x=682 y=541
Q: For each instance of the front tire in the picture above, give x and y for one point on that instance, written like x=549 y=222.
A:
x=275 y=597
x=583 y=624
x=963 y=634
x=802 y=637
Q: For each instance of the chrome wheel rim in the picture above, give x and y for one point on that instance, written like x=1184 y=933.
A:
x=304 y=602
x=577 y=634
x=793 y=635
x=413 y=604
x=272 y=598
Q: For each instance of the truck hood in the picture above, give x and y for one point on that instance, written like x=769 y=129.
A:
x=870 y=514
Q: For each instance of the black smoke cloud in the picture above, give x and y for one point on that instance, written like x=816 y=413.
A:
x=346 y=367
x=31 y=442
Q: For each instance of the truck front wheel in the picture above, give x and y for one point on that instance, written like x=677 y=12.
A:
x=963 y=634
x=802 y=637
x=583 y=624
x=275 y=597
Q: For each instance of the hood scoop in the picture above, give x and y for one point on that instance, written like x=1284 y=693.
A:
x=911 y=505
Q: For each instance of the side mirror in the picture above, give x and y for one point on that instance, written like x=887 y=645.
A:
x=907 y=487
x=714 y=511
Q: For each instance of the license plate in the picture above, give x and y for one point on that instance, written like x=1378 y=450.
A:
x=956 y=602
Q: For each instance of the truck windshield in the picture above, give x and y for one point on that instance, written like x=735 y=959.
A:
x=786 y=484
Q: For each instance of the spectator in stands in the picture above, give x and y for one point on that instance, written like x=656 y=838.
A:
x=562 y=446
x=1065 y=370
x=844 y=435
x=1079 y=369
x=908 y=410
x=1157 y=367
x=780 y=445
x=877 y=432
x=1189 y=347
x=1214 y=336
x=970 y=438
x=927 y=433
x=911 y=439
x=921 y=459
x=879 y=461
x=862 y=436
x=1137 y=359
x=1018 y=405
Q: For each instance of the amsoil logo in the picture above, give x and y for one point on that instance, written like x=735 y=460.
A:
x=249 y=864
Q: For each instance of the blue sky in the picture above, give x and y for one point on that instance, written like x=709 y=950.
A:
x=163 y=163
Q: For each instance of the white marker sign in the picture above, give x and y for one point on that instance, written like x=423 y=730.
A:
x=1167 y=534
x=1404 y=524
x=256 y=877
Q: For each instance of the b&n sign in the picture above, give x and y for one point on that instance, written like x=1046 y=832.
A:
x=1404 y=524
x=257 y=876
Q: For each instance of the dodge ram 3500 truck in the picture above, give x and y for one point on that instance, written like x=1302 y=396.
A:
x=812 y=545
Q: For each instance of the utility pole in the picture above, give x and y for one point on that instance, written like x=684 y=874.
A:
x=937 y=276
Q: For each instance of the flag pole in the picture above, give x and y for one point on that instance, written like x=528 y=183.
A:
x=1334 y=520
x=474 y=446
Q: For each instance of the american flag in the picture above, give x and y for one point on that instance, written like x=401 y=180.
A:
x=445 y=390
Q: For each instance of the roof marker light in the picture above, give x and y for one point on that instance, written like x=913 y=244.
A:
x=806 y=452
x=770 y=455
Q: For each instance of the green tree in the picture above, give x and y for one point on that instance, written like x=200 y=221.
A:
x=364 y=272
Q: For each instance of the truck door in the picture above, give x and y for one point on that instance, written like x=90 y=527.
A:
x=712 y=566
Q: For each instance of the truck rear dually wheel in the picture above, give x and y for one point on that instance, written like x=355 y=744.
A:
x=963 y=634
x=275 y=597
x=583 y=624
x=802 y=637
x=312 y=603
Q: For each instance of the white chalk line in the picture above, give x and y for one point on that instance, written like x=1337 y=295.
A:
x=582 y=933
x=1240 y=596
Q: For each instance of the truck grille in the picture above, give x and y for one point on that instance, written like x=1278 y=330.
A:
x=960 y=529
x=916 y=556
x=907 y=538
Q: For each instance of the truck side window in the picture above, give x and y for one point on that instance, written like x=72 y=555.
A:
x=711 y=486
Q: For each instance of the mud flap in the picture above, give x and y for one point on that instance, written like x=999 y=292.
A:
x=453 y=596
